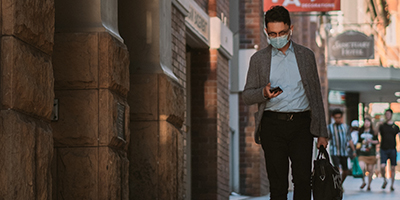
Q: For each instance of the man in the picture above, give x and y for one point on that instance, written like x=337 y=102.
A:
x=388 y=131
x=339 y=140
x=287 y=120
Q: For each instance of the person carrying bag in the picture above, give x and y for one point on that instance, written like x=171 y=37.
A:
x=326 y=179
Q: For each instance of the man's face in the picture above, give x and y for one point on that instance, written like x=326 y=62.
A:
x=338 y=118
x=388 y=115
x=276 y=29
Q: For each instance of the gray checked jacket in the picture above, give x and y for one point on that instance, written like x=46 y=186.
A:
x=258 y=77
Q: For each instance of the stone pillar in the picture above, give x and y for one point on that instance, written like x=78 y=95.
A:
x=91 y=72
x=156 y=98
x=26 y=98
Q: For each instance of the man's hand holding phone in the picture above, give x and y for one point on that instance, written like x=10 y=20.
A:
x=271 y=92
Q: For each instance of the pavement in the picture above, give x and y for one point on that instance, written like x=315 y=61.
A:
x=352 y=191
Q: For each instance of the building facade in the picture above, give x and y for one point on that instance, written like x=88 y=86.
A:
x=115 y=99
x=122 y=99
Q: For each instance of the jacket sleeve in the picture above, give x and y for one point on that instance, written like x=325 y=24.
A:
x=253 y=90
x=319 y=105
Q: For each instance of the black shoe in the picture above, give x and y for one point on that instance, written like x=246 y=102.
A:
x=384 y=185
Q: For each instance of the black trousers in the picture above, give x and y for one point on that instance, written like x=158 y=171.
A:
x=282 y=140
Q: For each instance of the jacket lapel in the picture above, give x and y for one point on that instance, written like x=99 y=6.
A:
x=265 y=71
x=301 y=63
x=303 y=68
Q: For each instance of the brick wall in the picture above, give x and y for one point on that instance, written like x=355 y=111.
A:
x=210 y=116
x=252 y=24
x=223 y=129
x=179 y=68
x=203 y=101
x=179 y=45
x=253 y=176
x=219 y=8
x=203 y=4
x=210 y=125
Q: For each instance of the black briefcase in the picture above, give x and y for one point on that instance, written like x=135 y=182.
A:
x=326 y=179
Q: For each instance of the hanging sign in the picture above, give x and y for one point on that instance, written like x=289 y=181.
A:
x=351 y=45
x=304 y=5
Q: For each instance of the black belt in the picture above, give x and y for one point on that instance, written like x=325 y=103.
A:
x=287 y=116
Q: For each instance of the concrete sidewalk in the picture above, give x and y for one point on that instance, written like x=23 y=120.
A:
x=352 y=191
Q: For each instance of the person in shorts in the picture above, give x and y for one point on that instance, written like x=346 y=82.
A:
x=388 y=131
x=367 y=141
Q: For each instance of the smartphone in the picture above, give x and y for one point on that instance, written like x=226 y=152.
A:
x=275 y=89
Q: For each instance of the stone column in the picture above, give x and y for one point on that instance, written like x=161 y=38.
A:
x=91 y=74
x=156 y=99
x=26 y=98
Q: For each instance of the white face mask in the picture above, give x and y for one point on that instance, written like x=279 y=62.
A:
x=279 y=42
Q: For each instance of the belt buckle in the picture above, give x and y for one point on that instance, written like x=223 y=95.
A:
x=289 y=117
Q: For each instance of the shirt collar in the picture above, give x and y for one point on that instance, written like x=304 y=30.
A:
x=275 y=51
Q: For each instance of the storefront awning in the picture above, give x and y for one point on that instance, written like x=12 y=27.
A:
x=364 y=79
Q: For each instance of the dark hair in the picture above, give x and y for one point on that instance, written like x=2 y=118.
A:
x=371 y=129
x=277 y=14
x=389 y=110
x=337 y=111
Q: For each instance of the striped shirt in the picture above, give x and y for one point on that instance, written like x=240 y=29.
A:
x=339 y=138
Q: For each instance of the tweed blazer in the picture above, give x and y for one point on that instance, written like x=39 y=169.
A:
x=258 y=77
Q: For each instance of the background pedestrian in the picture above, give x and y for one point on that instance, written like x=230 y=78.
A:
x=339 y=140
x=367 y=142
x=388 y=131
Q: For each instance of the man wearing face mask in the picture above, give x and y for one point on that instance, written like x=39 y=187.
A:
x=288 y=119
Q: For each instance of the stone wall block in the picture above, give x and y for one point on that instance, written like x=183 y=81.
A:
x=143 y=97
x=54 y=175
x=168 y=163
x=113 y=64
x=125 y=176
x=31 y=21
x=77 y=173
x=143 y=158
x=78 y=118
x=171 y=102
x=112 y=175
x=44 y=156
x=75 y=60
x=181 y=166
x=17 y=155
x=109 y=108
x=27 y=82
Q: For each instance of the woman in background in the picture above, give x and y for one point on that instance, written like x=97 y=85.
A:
x=367 y=141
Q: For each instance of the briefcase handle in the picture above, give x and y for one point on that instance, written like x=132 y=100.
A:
x=322 y=151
